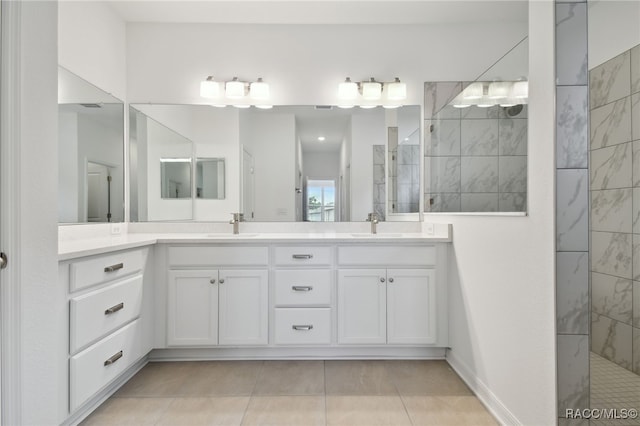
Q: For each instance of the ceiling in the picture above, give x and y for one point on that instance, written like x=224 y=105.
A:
x=321 y=11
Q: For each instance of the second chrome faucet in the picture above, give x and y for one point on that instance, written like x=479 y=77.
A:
x=237 y=218
x=373 y=218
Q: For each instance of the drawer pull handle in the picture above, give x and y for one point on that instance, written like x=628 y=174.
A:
x=302 y=327
x=302 y=288
x=302 y=256
x=114 y=268
x=114 y=309
x=113 y=359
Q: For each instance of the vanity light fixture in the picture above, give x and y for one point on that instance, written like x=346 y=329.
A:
x=236 y=91
x=372 y=93
x=473 y=91
x=488 y=94
x=396 y=90
x=209 y=88
x=371 y=90
x=499 y=89
x=520 y=90
x=348 y=90
x=259 y=90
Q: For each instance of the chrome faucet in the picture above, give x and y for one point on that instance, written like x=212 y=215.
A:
x=373 y=218
x=237 y=218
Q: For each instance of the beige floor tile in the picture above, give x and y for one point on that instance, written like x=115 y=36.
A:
x=366 y=410
x=205 y=411
x=291 y=378
x=447 y=411
x=358 y=378
x=428 y=378
x=128 y=411
x=285 y=410
x=217 y=378
x=157 y=379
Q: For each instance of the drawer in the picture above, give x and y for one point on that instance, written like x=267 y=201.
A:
x=304 y=255
x=383 y=256
x=99 y=312
x=96 y=270
x=218 y=256
x=303 y=287
x=311 y=326
x=96 y=366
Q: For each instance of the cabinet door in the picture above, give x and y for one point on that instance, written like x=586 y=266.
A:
x=411 y=309
x=362 y=306
x=244 y=305
x=192 y=317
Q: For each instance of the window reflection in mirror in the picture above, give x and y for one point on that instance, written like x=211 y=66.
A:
x=175 y=175
x=91 y=152
x=210 y=178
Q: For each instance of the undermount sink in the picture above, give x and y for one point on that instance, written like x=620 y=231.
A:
x=223 y=235
x=369 y=235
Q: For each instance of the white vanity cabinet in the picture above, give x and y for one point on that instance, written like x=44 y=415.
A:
x=209 y=306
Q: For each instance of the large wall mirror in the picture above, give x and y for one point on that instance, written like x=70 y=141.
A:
x=288 y=163
x=91 y=152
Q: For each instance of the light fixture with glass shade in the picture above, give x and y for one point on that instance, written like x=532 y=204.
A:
x=236 y=92
x=348 y=90
x=520 y=90
x=396 y=90
x=209 y=88
x=499 y=89
x=371 y=90
x=371 y=93
x=473 y=91
x=259 y=90
x=234 y=89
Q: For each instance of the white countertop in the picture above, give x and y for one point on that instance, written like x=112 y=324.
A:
x=74 y=248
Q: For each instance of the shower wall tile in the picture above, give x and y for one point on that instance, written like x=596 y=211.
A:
x=483 y=113
x=636 y=256
x=611 y=253
x=572 y=292
x=512 y=202
x=479 y=174
x=447 y=202
x=438 y=95
x=571 y=132
x=636 y=351
x=479 y=202
x=611 y=124
x=512 y=137
x=612 y=340
x=636 y=210
x=612 y=297
x=479 y=137
x=407 y=195
x=636 y=304
x=610 y=81
x=508 y=113
x=378 y=173
x=612 y=210
x=571 y=45
x=573 y=372
x=635 y=116
x=378 y=154
x=572 y=210
x=635 y=69
x=448 y=113
x=512 y=174
x=443 y=174
x=445 y=138
x=611 y=167
x=635 y=163
x=408 y=154
x=405 y=173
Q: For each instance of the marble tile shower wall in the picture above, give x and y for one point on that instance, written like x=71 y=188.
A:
x=476 y=159
x=379 y=191
x=615 y=209
x=406 y=179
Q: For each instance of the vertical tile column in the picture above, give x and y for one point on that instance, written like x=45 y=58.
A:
x=572 y=208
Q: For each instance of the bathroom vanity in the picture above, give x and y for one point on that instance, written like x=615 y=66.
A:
x=141 y=297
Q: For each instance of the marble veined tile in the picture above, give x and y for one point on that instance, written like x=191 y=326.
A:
x=573 y=372
x=378 y=155
x=446 y=202
x=612 y=340
x=444 y=140
x=636 y=304
x=572 y=292
x=571 y=44
x=610 y=81
x=442 y=174
x=636 y=210
x=612 y=210
x=483 y=113
x=611 y=253
x=611 y=167
x=474 y=202
x=612 y=296
x=479 y=174
x=572 y=218
x=635 y=69
x=636 y=257
x=636 y=350
x=572 y=141
x=611 y=124
x=513 y=174
x=635 y=116
x=479 y=137
x=512 y=137
x=512 y=202
x=437 y=95
x=636 y=163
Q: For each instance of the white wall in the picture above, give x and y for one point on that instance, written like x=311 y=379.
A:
x=613 y=29
x=502 y=303
x=68 y=178
x=305 y=63
x=271 y=138
x=321 y=165
x=92 y=44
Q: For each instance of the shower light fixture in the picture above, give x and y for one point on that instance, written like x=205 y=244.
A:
x=371 y=93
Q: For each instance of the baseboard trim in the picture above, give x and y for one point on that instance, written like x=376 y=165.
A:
x=482 y=391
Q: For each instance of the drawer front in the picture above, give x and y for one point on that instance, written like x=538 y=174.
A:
x=85 y=273
x=218 y=256
x=96 y=366
x=96 y=314
x=310 y=326
x=303 y=255
x=387 y=255
x=303 y=287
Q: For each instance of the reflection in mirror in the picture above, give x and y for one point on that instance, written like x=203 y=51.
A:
x=175 y=178
x=210 y=178
x=91 y=152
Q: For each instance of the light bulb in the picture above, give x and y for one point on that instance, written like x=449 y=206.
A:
x=371 y=90
x=259 y=90
x=209 y=88
x=348 y=90
x=396 y=91
x=234 y=89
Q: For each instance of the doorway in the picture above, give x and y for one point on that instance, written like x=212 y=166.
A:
x=320 y=203
x=98 y=192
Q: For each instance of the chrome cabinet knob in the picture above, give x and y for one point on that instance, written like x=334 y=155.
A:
x=212 y=280
x=382 y=280
x=221 y=280
x=390 y=280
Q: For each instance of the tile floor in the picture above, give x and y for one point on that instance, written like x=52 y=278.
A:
x=613 y=387
x=294 y=393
